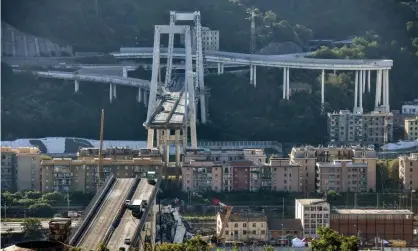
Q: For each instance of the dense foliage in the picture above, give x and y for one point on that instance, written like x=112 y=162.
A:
x=32 y=229
x=329 y=240
x=386 y=29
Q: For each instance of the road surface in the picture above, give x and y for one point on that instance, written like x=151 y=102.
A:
x=103 y=220
x=128 y=224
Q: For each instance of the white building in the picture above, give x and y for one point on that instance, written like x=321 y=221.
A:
x=410 y=109
x=210 y=39
x=313 y=213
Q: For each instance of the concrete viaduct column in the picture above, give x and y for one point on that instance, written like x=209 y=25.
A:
x=220 y=68
x=111 y=93
x=355 y=91
x=378 y=88
x=150 y=138
x=38 y=51
x=177 y=140
x=114 y=90
x=139 y=96
x=323 y=91
x=124 y=72
x=76 y=86
x=145 y=98
x=286 y=83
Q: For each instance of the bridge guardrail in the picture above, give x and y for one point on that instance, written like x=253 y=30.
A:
x=91 y=208
x=121 y=211
x=136 y=240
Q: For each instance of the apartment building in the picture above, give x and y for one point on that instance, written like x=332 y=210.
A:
x=410 y=108
x=313 y=213
x=210 y=39
x=408 y=171
x=8 y=169
x=371 y=128
x=353 y=157
x=64 y=174
x=368 y=224
x=224 y=170
x=112 y=153
x=20 y=168
x=243 y=226
x=411 y=128
x=341 y=176
x=284 y=175
x=28 y=168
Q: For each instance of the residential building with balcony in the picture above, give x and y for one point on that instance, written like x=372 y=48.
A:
x=244 y=226
x=112 y=153
x=8 y=169
x=65 y=174
x=410 y=107
x=313 y=213
x=224 y=170
x=210 y=39
x=308 y=157
x=408 y=171
x=28 y=168
x=341 y=176
x=284 y=175
x=20 y=168
x=411 y=128
x=369 y=224
x=371 y=128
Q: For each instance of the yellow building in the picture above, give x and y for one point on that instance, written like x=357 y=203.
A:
x=411 y=128
x=20 y=168
x=243 y=227
x=65 y=174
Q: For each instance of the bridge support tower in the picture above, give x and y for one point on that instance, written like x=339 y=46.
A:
x=165 y=125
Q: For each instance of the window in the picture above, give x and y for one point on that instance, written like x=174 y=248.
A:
x=244 y=224
x=254 y=224
x=236 y=225
x=244 y=232
x=263 y=231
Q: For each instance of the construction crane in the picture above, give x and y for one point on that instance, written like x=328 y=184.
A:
x=217 y=239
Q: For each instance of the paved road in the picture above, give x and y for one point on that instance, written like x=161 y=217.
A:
x=128 y=223
x=103 y=220
x=17 y=227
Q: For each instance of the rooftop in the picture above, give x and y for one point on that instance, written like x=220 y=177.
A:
x=373 y=211
x=287 y=224
x=245 y=216
x=307 y=202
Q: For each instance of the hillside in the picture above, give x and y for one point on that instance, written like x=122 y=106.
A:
x=238 y=111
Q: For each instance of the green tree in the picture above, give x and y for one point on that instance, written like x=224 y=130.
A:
x=32 y=229
x=33 y=195
x=268 y=248
x=54 y=197
x=41 y=210
x=330 y=240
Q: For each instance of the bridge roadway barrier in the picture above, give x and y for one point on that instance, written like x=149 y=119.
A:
x=121 y=211
x=91 y=209
x=135 y=242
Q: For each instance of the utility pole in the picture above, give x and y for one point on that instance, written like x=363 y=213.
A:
x=100 y=150
x=283 y=209
x=355 y=200
x=5 y=211
x=377 y=200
